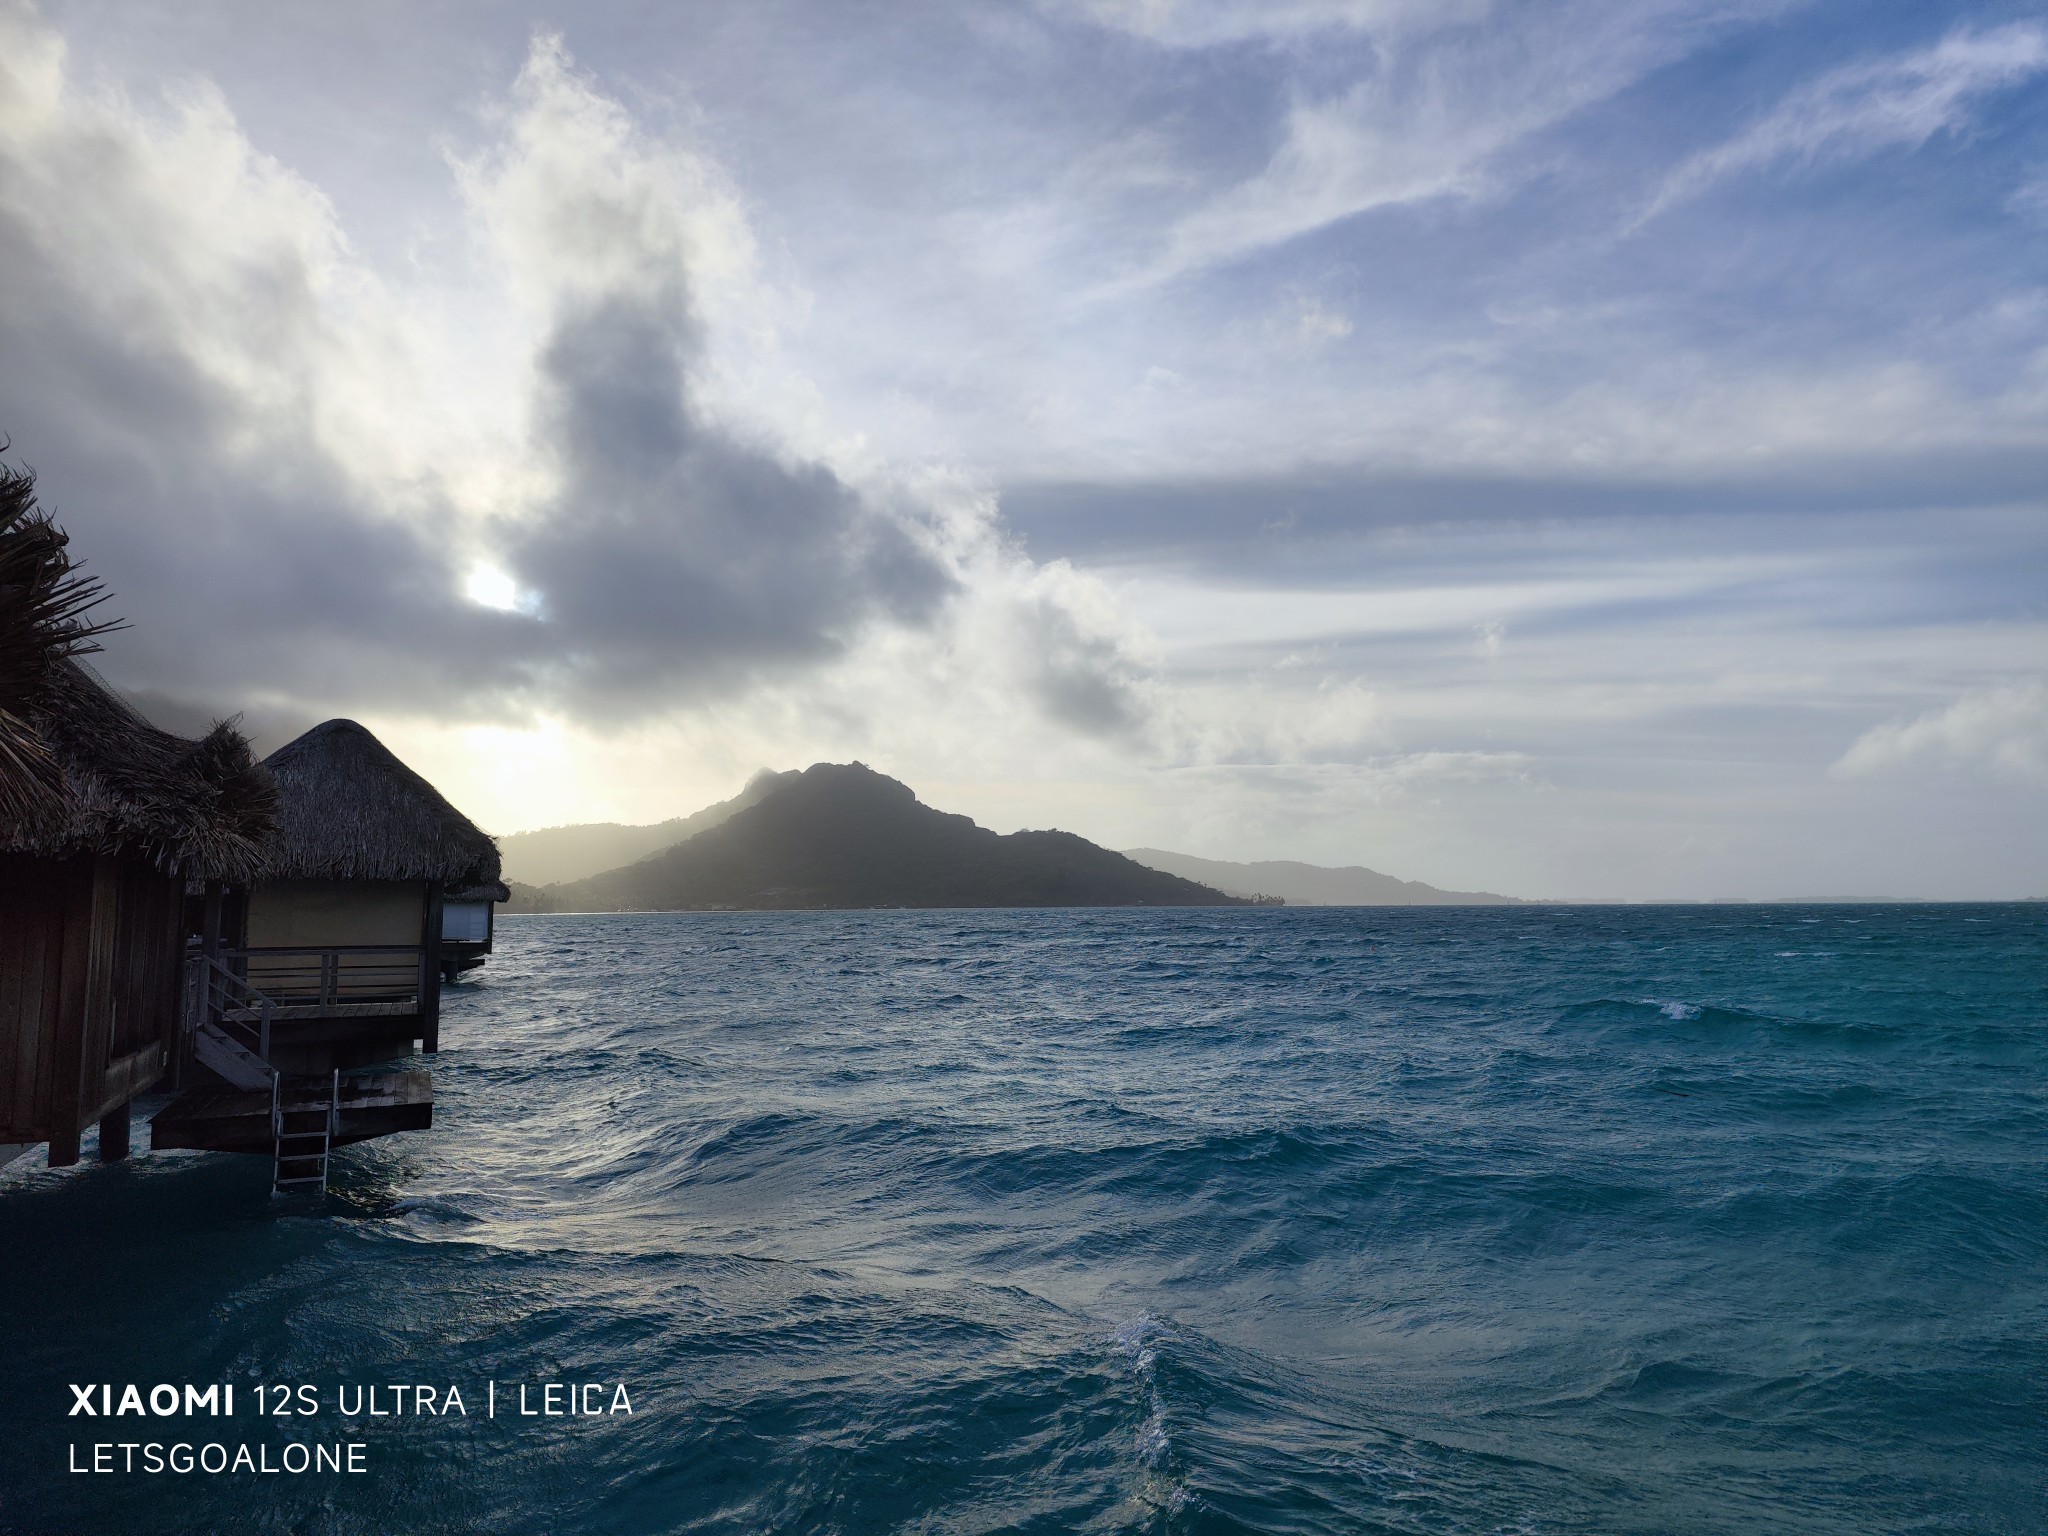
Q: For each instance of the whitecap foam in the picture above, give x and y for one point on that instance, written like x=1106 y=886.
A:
x=1135 y=1339
x=1154 y=1445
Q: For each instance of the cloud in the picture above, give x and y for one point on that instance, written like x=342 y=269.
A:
x=290 y=475
x=222 y=401
x=1307 y=322
x=559 y=502
x=670 y=556
x=1081 y=661
x=1208 y=23
x=2003 y=729
x=1433 y=117
x=1861 y=109
x=2030 y=198
x=1278 y=719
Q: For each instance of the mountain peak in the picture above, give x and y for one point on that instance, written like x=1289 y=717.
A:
x=841 y=835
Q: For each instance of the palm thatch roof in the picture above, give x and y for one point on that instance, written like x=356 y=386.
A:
x=80 y=770
x=349 y=810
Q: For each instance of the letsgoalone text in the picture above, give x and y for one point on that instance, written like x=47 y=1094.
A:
x=294 y=1456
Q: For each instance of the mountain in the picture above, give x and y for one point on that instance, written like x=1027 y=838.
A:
x=1312 y=885
x=556 y=854
x=842 y=835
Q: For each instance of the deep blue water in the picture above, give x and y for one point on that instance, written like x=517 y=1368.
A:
x=1485 y=1220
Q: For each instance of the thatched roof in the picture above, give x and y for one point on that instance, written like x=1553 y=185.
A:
x=43 y=602
x=191 y=807
x=349 y=810
x=80 y=770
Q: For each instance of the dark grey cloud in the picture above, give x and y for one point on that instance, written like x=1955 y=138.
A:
x=678 y=558
x=1084 y=681
x=1106 y=517
x=1921 y=534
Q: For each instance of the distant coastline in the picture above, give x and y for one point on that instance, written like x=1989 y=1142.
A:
x=1313 y=885
x=855 y=839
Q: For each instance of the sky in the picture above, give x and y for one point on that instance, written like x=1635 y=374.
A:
x=1569 y=449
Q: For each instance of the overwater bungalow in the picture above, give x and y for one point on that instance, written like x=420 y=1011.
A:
x=358 y=877
x=103 y=820
x=334 y=958
x=468 y=926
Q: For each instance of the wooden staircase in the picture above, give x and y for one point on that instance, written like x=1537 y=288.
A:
x=221 y=1053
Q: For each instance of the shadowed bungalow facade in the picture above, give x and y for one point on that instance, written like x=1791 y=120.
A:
x=103 y=820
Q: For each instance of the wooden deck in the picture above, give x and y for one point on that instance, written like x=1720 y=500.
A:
x=235 y=1120
x=405 y=1007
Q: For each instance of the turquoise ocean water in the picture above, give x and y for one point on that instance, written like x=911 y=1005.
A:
x=1483 y=1220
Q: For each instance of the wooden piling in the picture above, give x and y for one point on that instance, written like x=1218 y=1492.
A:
x=116 y=1131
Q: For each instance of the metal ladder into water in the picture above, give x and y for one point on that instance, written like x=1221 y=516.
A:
x=304 y=1150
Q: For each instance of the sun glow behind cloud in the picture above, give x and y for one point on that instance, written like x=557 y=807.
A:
x=490 y=587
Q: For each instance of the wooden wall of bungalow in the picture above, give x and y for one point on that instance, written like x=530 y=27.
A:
x=103 y=818
x=354 y=967
x=92 y=952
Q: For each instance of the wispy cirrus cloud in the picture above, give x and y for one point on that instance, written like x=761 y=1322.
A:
x=1208 y=23
x=1431 y=114
x=2030 y=198
x=1860 y=109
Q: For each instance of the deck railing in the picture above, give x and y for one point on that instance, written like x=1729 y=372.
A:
x=332 y=975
